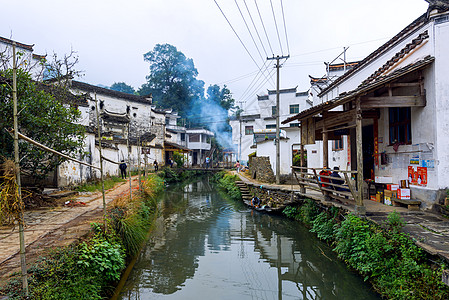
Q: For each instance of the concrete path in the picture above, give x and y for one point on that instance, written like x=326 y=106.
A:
x=430 y=230
x=54 y=227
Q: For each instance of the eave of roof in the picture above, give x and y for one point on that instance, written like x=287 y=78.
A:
x=62 y=95
x=96 y=89
x=20 y=45
x=174 y=145
x=420 y=21
x=362 y=89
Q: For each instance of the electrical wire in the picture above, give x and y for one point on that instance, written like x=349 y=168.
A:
x=285 y=28
x=235 y=32
x=247 y=27
x=263 y=25
x=276 y=25
x=255 y=28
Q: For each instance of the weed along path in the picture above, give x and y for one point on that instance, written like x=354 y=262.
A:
x=54 y=227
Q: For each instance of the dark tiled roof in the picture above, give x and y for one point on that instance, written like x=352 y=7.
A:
x=174 y=145
x=316 y=80
x=341 y=66
x=62 y=94
x=96 y=89
x=362 y=89
x=300 y=94
x=395 y=59
x=39 y=57
x=23 y=46
x=147 y=137
x=388 y=45
x=115 y=117
x=283 y=91
x=263 y=97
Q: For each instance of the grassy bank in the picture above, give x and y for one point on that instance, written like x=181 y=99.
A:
x=91 y=268
x=226 y=182
x=95 y=186
x=383 y=255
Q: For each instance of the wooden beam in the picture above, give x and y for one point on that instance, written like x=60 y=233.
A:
x=336 y=118
x=325 y=143
x=404 y=84
x=393 y=101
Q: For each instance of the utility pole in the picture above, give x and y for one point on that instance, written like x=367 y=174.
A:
x=23 y=264
x=129 y=165
x=278 y=114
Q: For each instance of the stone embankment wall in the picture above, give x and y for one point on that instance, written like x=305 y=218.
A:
x=274 y=197
x=260 y=169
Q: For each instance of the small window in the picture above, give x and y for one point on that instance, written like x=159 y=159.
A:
x=183 y=137
x=249 y=130
x=400 y=125
x=194 y=138
x=294 y=109
x=294 y=124
x=270 y=126
x=337 y=145
x=273 y=111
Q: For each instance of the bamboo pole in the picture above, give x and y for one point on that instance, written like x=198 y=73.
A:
x=101 y=162
x=129 y=167
x=139 y=149
x=19 y=185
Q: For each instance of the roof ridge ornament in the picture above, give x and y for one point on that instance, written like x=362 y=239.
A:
x=439 y=5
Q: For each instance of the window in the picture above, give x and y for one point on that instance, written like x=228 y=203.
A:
x=273 y=111
x=400 y=125
x=194 y=138
x=183 y=137
x=294 y=124
x=337 y=145
x=270 y=126
x=249 y=130
x=294 y=109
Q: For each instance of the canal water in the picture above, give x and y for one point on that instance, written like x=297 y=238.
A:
x=205 y=246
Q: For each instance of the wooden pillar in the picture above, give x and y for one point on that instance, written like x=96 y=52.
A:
x=303 y=164
x=325 y=143
x=359 y=207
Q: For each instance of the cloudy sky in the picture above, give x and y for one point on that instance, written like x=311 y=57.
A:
x=112 y=36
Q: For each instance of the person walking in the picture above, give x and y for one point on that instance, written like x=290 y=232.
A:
x=156 y=166
x=122 y=168
x=237 y=166
x=207 y=162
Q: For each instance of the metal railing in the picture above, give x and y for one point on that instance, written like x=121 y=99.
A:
x=341 y=188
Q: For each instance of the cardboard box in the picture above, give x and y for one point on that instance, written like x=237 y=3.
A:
x=403 y=194
x=379 y=197
x=392 y=187
x=388 y=193
x=387 y=201
x=383 y=179
x=394 y=194
x=372 y=198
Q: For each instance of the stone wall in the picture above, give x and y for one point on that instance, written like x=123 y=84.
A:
x=272 y=196
x=260 y=169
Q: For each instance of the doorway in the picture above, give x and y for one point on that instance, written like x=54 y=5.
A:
x=368 y=151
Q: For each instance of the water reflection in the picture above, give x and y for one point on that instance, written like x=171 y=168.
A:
x=211 y=248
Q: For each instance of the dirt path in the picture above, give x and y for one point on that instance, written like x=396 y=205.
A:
x=59 y=226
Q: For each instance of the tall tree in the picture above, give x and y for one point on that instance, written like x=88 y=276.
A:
x=172 y=79
x=222 y=97
x=43 y=118
x=122 y=87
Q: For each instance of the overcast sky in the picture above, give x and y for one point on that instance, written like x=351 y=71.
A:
x=112 y=36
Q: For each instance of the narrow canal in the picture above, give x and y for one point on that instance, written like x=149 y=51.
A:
x=208 y=247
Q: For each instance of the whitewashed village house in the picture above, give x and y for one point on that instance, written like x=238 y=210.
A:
x=395 y=103
x=255 y=129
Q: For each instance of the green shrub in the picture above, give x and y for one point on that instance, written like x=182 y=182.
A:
x=227 y=183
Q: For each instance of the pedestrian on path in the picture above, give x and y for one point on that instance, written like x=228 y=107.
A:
x=237 y=166
x=207 y=162
x=156 y=166
x=122 y=168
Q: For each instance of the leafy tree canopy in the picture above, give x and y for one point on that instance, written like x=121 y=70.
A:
x=122 y=87
x=42 y=118
x=172 y=79
x=222 y=97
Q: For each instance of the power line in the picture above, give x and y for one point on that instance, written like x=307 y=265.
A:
x=255 y=27
x=263 y=25
x=247 y=27
x=285 y=27
x=235 y=32
x=277 y=30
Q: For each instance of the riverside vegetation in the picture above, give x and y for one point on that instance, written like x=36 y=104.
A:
x=91 y=268
x=383 y=255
